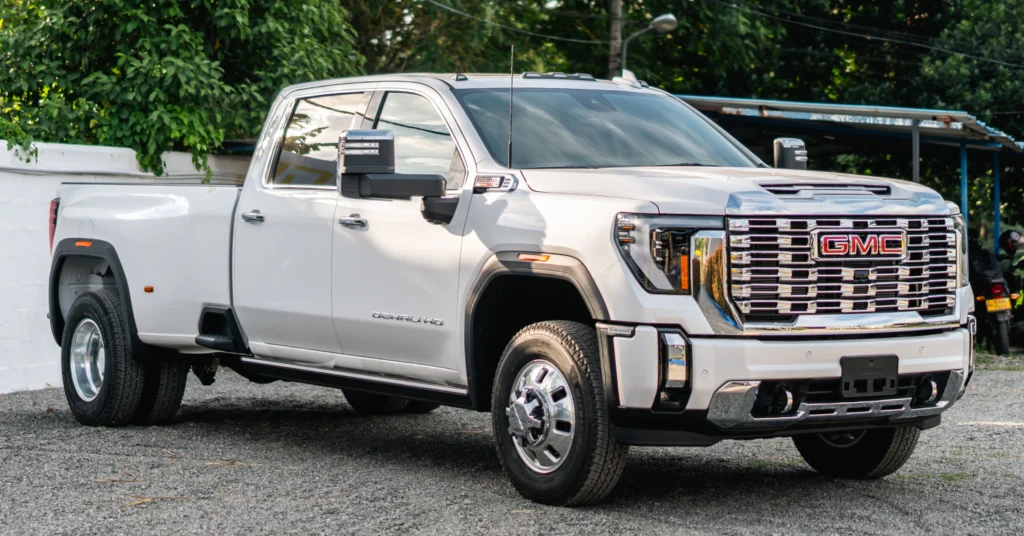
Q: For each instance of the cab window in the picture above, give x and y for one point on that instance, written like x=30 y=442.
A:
x=423 y=143
x=309 y=151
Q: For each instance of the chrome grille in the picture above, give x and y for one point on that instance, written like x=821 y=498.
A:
x=773 y=275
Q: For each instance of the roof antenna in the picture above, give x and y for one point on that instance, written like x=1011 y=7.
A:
x=511 y=82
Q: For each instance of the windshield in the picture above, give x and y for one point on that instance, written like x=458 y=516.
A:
x=594 y=128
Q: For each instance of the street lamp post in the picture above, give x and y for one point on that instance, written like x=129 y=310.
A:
x=661 y=24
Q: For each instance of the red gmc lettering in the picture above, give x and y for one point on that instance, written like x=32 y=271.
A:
x=835 y=245
x=886 y=244
x=864 y=246
x=891 y=244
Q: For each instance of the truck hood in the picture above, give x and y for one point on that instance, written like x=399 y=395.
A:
x=744 y=191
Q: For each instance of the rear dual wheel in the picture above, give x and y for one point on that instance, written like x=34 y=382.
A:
x=377 y=404
x=104 y=383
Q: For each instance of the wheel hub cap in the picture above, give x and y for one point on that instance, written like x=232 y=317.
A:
x=541 y=416
x=88 y=360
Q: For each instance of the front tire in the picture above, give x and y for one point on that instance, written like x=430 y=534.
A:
x=103 y=382
x=862 y=455
x=554 y=436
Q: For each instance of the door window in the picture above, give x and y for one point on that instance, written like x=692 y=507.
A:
x=309 y=152
x=423 y=143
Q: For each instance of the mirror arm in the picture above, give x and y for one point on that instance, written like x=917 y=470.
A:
x=439 y=210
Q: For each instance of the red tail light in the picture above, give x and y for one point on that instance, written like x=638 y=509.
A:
x=998 y=290
x=53 y=220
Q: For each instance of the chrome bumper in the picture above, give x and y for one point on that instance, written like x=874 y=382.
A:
x=731 y=407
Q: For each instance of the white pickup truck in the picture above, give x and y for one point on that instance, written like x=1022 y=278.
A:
x=622 y=273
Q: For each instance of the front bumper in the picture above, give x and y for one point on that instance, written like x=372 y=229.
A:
x=732 y=405
x=726 y=373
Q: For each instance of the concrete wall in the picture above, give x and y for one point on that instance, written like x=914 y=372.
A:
x=29 y=358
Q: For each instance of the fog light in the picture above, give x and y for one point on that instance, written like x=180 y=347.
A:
x=673 y=351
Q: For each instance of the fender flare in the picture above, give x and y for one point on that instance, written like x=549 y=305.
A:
x=502 y=263
x=98 y=249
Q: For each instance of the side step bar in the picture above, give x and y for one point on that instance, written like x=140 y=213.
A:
x=385 y=385
x=218 y=330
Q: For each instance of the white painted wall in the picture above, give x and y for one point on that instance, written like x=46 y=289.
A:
x=29 y=358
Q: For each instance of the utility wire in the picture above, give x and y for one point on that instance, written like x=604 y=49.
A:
x=514 y=29
x=777 y=11
x=865 y=36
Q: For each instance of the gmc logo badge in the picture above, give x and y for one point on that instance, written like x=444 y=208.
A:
x=891 y=245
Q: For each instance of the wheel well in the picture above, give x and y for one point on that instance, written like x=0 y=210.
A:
x=79 y=275
x=508 y=304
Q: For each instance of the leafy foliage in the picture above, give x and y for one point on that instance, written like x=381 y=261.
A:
x=167 y=74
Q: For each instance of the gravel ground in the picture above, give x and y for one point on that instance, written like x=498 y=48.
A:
x=289 y=458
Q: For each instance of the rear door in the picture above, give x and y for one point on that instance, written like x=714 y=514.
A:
x=283 y=231
x=395 y=288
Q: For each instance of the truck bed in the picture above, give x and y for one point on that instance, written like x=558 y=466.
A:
x=175 y=238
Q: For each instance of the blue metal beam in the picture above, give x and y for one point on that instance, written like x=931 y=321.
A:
x=995 y=195
x=963 y=179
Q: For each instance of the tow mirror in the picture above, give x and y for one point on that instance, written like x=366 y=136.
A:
x=366 y=166
x=790 y=153
x=366 y=151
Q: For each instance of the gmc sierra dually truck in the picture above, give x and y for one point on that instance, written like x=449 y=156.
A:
x=622 y=273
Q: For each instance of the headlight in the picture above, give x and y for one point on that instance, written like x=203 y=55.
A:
x=961 y=241
x=657 y=248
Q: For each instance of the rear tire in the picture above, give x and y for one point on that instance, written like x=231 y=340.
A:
x=103 y=382
x=865 y=455
x=1001 y=337
x=374 y=404
x=164 y=389
x=554 y=436
x=420 y=406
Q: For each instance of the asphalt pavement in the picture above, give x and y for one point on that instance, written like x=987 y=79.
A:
x=293 y=459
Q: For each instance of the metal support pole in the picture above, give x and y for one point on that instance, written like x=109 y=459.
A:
x=995 y=196
x=963 y=179
x=915 y=136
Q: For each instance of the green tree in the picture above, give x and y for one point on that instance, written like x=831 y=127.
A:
x=167 y=74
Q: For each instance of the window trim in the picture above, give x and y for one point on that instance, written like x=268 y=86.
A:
x=292 y=105
x=381 y=100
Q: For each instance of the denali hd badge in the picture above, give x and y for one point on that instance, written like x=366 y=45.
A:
x=409 y=318
x=888 y=245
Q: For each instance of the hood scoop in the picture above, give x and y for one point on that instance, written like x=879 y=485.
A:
x=808 y=190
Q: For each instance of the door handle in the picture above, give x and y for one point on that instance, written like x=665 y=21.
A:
x=252 y=217
x=353 y=221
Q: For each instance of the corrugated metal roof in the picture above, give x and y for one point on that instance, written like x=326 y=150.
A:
x=954 y=124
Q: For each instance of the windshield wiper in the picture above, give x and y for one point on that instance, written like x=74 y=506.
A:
x=684 y=164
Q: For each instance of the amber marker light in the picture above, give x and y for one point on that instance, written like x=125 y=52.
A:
x=684 y=273
x=148 y=289
x=532 y=257
x=83 y=244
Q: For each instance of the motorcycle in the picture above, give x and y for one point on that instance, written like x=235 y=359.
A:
x=1011 y=242
x=991 y=290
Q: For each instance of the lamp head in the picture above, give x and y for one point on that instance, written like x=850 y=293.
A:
x=664 y=23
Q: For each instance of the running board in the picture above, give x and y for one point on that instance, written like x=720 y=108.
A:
x=343 y=379
x=218 y=330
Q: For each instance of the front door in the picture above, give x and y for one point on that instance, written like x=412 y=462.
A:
x=396 y=279
x=284 y=234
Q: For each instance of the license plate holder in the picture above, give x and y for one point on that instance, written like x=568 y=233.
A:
x=868 y=376
x=997 y=304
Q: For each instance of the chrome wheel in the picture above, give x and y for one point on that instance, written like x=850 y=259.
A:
x=88 y=360
x=541 y=416
x=842 y=440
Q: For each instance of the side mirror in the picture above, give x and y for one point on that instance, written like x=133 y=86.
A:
x=366 y=166
x=366 y=151
x=790 y=153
